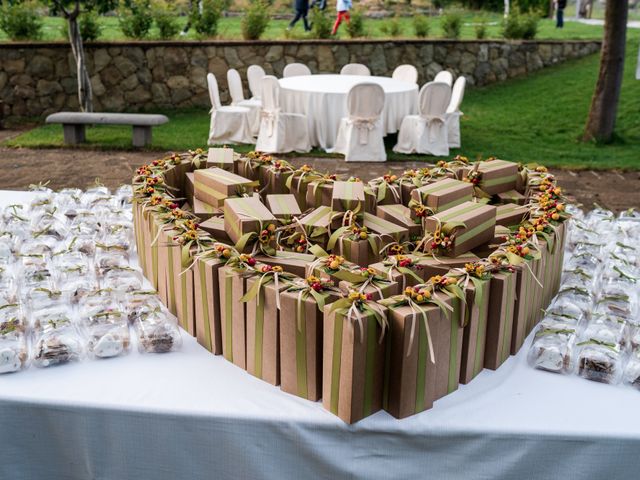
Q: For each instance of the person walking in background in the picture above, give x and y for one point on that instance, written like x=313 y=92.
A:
x=302 y=9
x=343 y=7
x=560 y=6
x=319 y=4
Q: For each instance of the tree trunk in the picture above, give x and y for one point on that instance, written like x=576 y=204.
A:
x=604 y=104
x=85 y=94
x=506 y=8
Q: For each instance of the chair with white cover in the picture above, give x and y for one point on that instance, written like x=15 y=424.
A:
x=237 y=99
x=360 y=134
x=427 y=131
x=405 y=73
x=280 y=132
x=229 y=124
x=355 y=69
x=295 y=70
x=255 y=74
x=444 y=76
x=454 y=113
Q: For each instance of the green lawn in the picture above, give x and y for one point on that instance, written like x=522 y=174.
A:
x=534 y=119
x=229 y=28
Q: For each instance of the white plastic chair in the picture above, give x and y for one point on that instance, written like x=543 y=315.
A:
x=229 y=124
x=454 y=113
x=295 y=70
x=444 y=76
x=255 y=74
x=280 y=132
x=355 y=69
x=237 y=99
x=405 y=73
x=360 y=134
x=427 y=131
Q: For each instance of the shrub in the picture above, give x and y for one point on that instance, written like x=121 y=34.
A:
x=481 y=29
x=205 y=22
x=451 y=24
x=20 y=21
x=391 y=27
x=355 y=27
x=89 y=24
x=166 y=20
x=421 y=26
x=255 y=20
x=322 y=24
x=517 y=26
x=136 y=21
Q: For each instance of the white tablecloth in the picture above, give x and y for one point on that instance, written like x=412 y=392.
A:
x=192 y=415
x=323 y=99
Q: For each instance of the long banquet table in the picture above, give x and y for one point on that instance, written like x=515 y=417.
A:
x=192 y=415
x=323 y=99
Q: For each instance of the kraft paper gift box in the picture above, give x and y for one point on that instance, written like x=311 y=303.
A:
x=356 y=250
x=348 y=196
x=214 y=226
x=233 y=285
x=263 y=325
x=246 y=215
x=400 y=215
x=223 y=158
x=448 y=338
x=405 y=270
x=319 y=193
x=298 y=183
x=291 y=262
x=214 y=185
x=386 y=192
x=301 y=330
x=496 y=176
x=389 y=232
x=410 y=384
x=250 y=165
x=323 y=267
x=469 y=225
x=502 y=297
x=168 y=249
x=535 y=312
x=204 y=211
x=183 y=283
x=274 y=177
x=475 y=331
x=151 y=248
x=353 y=361
x=283 y=206
x=189 y=187
x=175 y=176
x=207 y=303
x=432 y=265
x=510 y=214
x=441 y=195
x=522 y=307
x=512 y=196
x=317 y=225
x=377 y=286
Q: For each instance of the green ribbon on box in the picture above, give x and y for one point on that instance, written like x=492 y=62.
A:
x=508 y=327
x=498 y=181
x=199 y=186
x=154 y=254
x=480 y=300
x=259 y=334
x=301 y=350
x=172 y=292
x=185 y=312
x=228 y=317
x=453 y=344
x=205 y=304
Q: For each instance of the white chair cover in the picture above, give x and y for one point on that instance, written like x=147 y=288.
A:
x=444 y=76
x=355 y=69
x=360 y=135
x=280 y=132
x=454 y=113
x=405 y=73
x=229 y=124
x=237 y=98
x=295 y=70
x=427 y=131
x=255 y=74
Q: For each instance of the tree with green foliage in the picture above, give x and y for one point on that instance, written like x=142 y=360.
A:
x=71 y=11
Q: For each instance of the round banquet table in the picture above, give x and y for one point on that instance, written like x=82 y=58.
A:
x=323 y=99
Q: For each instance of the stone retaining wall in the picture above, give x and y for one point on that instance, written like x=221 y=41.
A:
x=37 y=79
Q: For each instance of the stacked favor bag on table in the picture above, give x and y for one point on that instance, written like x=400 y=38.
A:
x=592 y=328
x=67 y=286
x=367 y=295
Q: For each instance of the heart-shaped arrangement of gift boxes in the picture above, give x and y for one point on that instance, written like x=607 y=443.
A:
x=369 y=296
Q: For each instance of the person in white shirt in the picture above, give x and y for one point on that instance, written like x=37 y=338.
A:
x=343 y=7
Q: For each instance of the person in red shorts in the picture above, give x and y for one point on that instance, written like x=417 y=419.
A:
x=343 y=7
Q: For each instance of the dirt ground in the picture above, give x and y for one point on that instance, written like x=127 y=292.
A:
x=79 y=168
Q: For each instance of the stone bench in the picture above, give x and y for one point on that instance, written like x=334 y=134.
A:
x=73 y=124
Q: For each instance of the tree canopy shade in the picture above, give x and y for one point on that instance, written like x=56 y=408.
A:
x=71 y=10
x=604 y=103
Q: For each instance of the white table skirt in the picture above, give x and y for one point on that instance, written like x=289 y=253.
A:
x=323 y=99
x=192 y=415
